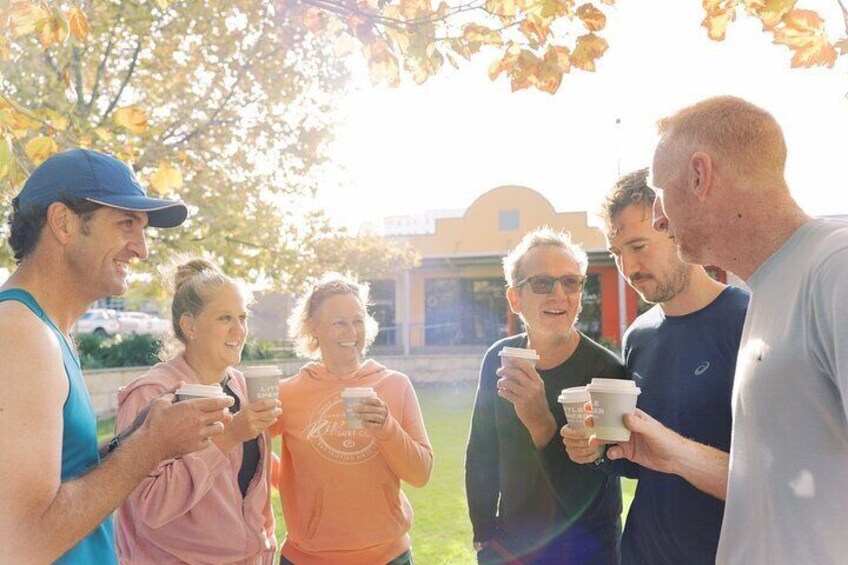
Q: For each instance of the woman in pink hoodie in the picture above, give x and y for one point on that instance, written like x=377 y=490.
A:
x=340 y=485
x=211 y=506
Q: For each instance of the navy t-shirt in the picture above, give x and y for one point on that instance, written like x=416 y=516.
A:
x=684 y=366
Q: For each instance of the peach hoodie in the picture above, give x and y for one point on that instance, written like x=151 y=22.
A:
x=190 y=510
x=340 y=488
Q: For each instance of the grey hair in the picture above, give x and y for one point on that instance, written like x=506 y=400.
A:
x=541 y=237
x=302 y=317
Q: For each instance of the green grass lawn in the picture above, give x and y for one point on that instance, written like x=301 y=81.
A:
x=441 y=533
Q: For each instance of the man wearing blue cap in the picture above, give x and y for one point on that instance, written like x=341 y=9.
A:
x=76 y=226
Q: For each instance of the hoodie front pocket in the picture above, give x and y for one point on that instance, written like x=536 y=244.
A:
x=315 y=519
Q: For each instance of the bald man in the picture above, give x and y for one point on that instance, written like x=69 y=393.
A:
x=718 y=172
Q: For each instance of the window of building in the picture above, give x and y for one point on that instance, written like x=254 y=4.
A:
x=508 y=220
x=383 y=310
x=464 y=311
x=589 y=321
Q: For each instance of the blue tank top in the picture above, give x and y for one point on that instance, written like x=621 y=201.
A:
x=79 y=440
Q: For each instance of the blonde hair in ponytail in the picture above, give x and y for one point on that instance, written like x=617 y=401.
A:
x=195 y=281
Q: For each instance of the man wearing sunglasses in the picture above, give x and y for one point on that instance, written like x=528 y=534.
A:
x=528 y=502
x=682 y=354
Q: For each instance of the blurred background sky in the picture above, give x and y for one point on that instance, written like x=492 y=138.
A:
x=442 y=144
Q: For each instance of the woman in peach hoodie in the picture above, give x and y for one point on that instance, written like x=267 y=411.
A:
x=340 y=487
x=211 y=506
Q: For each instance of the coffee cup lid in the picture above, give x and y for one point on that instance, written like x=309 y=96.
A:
x=574 y=394
x=261 y=371
x=613 y=385
x=358 y=391
x=519 y=353
x=189 y=389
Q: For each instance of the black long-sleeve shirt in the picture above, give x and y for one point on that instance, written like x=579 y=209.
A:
x=526 y=498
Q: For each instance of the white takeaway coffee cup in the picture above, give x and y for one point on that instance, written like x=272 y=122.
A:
x=351 y=398
x=573 y=400
x=189 y=391
x=263 y=382
x=611 y=400
x=508 y=353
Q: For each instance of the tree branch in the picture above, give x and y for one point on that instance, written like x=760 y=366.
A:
x=50 y=63
x=844 y=14
x=78 y=88
x=101 y=68
x=212 y=119
x=124 y=82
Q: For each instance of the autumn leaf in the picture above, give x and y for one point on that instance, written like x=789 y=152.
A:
x=549 y=77
x=103 y=133
x=505 y=63
x=560 y=56
x=480 y=35
x=555 y=62
x=803 y=31
x=53 y=29
x=565 y=8
x=4 y=48
x=56 y=120
x=543 y=8
x=589 y=48
x=315 y=20
x=592 y=18
x=842 y=45
x=506 y=9
x=525 y=70
x=38 y=149
x=536 y=29
x=719 y=14
x=344 y=45
x=382 y=64
x=78 y=23
x=6 y=156
x=133 y=118
x=25 y=16
x=166 y=177
x=773 y=11
x=414 y=9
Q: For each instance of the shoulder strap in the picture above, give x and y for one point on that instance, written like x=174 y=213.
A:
x=25 y=298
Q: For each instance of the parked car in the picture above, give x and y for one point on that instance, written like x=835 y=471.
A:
x=141 y=323
x=98 y=321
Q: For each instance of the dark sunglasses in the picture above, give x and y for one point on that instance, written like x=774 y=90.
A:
x=545 y=285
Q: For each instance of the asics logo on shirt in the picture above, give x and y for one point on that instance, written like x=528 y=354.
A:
x=702 y=368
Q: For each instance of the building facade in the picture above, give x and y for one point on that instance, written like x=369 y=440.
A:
x=455 y=298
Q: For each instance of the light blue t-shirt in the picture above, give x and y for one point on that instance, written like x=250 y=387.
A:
x=788 y=489
x=79 y=441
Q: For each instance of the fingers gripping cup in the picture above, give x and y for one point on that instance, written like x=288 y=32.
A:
x=351 y=398
x=263 y=382
x=190 y=391
x=573 y=399
x=611 y=400
x=507 y=354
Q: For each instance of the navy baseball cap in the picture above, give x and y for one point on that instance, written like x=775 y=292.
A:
x=82 y=174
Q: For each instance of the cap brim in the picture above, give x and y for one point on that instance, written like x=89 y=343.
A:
x=160 y=213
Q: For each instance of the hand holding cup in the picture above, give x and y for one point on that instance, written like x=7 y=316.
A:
x=253 y=419
x=373 y=412
x=580 y=444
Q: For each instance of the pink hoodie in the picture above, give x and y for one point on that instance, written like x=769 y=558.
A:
x=190 y=510
x=340 y=488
